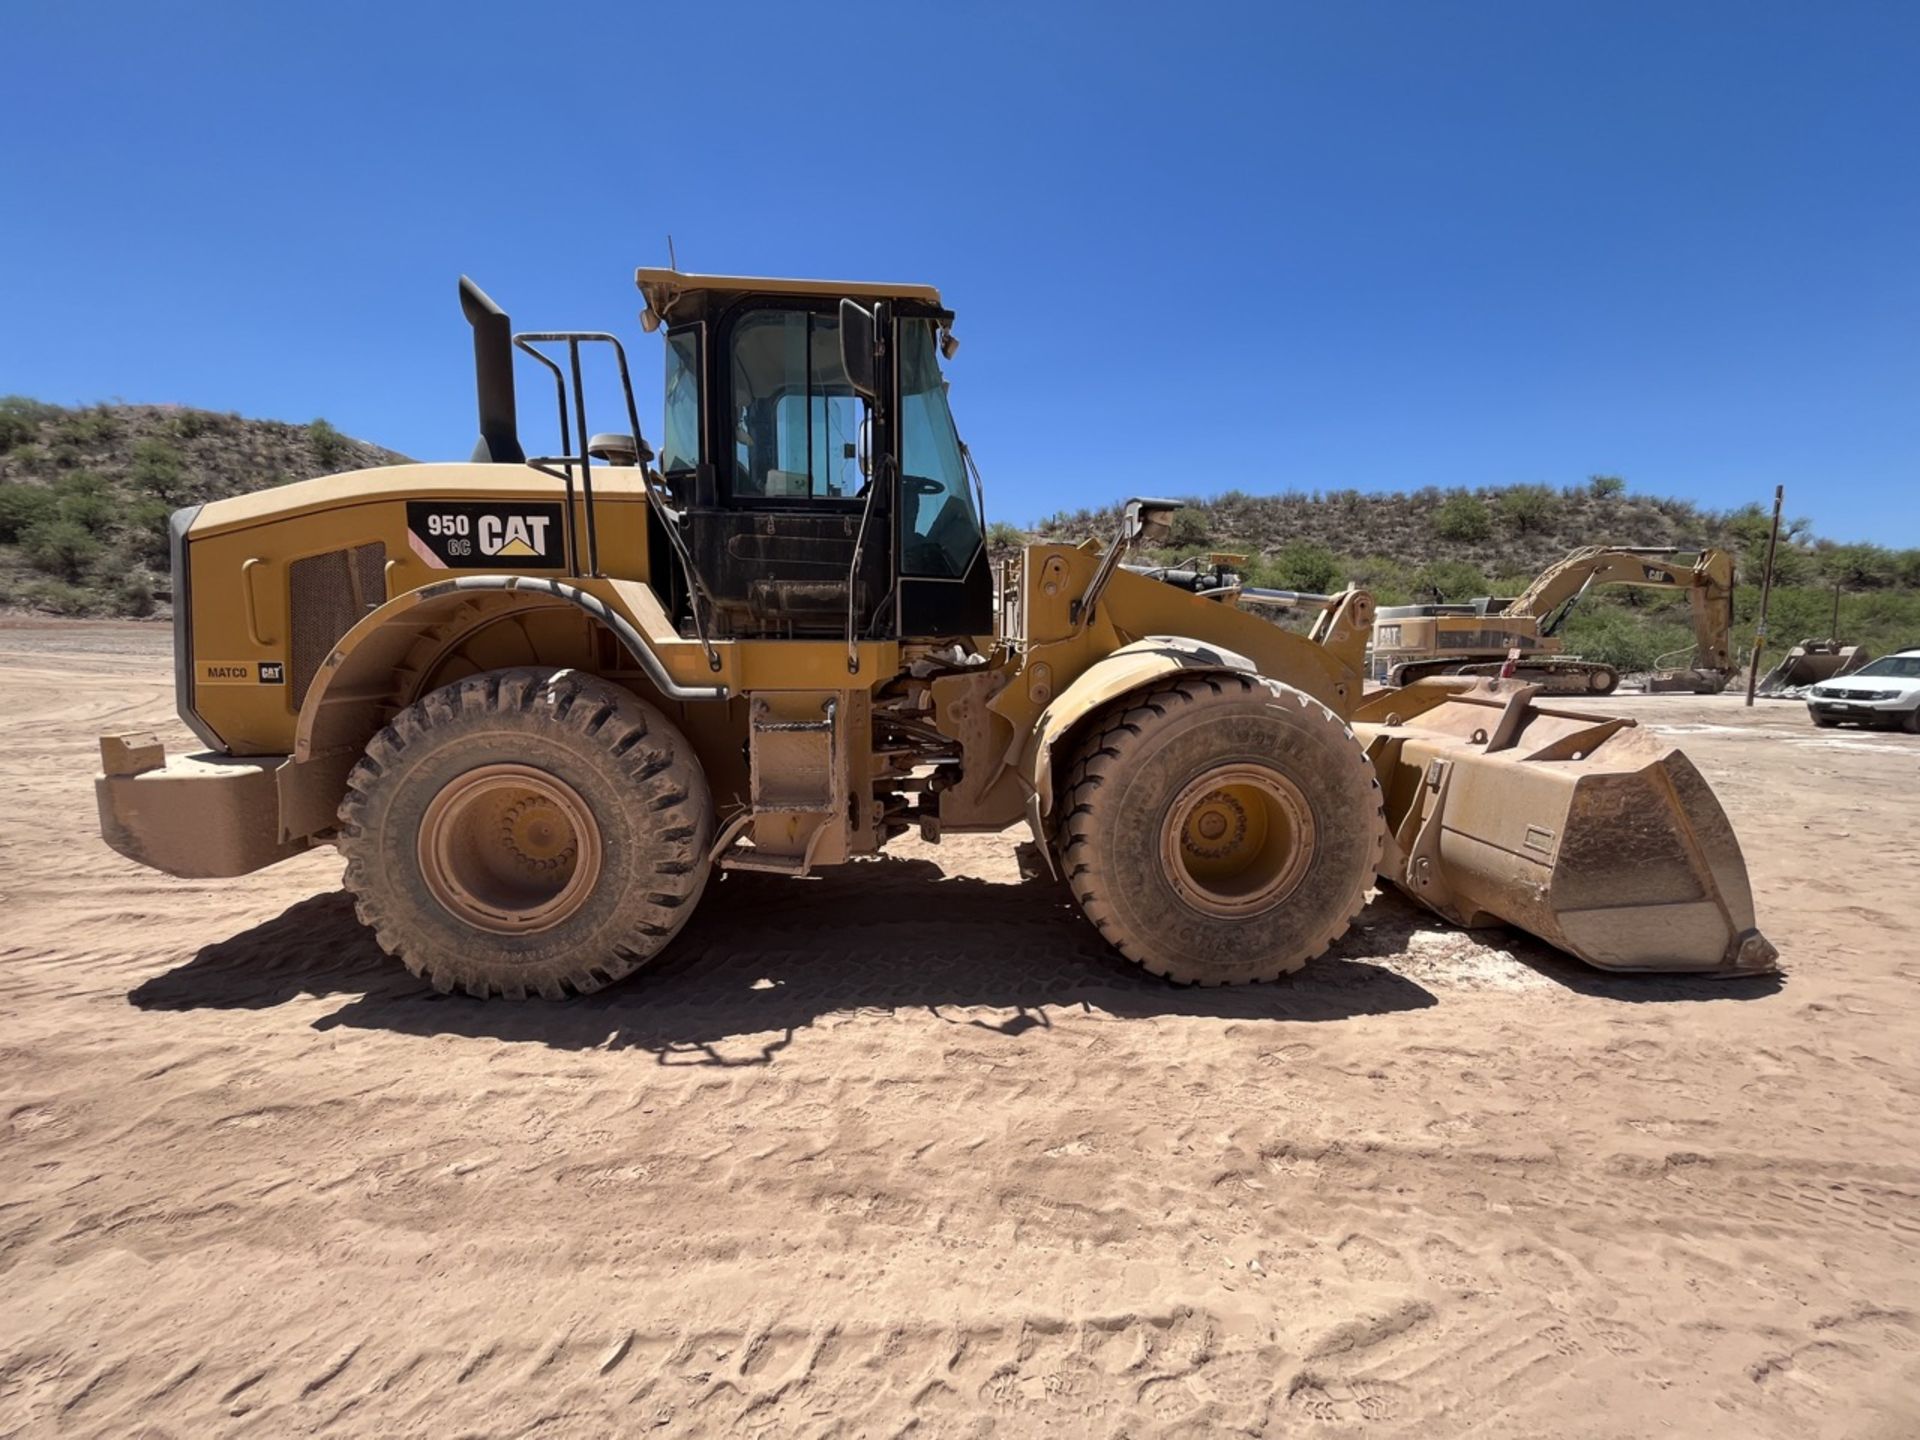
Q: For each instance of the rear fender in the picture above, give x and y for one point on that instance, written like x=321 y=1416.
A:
x=382 y=664
x=361 y=681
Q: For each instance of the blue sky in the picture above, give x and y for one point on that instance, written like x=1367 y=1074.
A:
x=1191 y=248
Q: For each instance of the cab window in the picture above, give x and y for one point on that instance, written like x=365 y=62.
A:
x=680 y=442
x=797 y=422
x=939 y=527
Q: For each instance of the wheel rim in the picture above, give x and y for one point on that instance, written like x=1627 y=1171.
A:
x=509 y=849
x=1237 y=840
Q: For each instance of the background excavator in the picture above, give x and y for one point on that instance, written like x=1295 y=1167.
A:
x=1412 y=642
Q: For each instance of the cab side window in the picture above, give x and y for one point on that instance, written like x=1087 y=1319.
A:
x=797 y=423
x=680 y=446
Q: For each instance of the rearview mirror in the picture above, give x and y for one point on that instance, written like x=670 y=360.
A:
x=860 y=333
x=1151 y=521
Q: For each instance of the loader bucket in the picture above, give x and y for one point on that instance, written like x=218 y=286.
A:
x=1588 y=832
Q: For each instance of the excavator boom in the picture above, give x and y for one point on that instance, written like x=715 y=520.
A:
x=1476 y=638
x=1708 y=580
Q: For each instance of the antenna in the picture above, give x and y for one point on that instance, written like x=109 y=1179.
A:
x=672 y=263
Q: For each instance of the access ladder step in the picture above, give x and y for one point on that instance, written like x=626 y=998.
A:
x=748 y=859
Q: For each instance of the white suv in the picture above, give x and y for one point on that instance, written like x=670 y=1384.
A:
x=1887 y=692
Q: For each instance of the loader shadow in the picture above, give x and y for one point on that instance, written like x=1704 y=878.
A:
x=1640 y=988
x=766 y=956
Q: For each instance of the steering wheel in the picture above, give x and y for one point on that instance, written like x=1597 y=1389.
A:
x=921 y=485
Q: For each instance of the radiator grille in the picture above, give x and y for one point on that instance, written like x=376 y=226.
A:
x=327 y=594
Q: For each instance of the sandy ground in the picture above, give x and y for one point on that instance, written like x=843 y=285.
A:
x=902 y=1149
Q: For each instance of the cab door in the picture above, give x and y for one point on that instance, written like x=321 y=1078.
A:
x=945 y=585
x=775 y=535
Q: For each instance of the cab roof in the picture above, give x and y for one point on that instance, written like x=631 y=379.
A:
x=665 y=287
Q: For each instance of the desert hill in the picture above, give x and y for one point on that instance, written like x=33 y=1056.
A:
x=85 y=493
x=1458 y=544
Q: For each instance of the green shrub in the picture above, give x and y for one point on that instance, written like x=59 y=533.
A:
x=1454 y=580
x=87 y=500
x=60 y=598
x=21 y=508
x=134 y=595
x=21 y=419
x=329 y=445
x=159 y=470
x=1189 y=530
x=1856 y=566
x=1390 y=581
x=1606 y=487
x=1528 y=509
x=147 y=523
x=92 y=429
x=192 y=424
x=1462 y=517
x=1002 y=536
x=1302 y=565
x=61 y=548
x=1622 y=639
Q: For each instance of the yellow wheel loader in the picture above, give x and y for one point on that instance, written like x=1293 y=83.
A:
x=541 y=702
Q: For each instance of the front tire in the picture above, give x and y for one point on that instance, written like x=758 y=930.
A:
x=1221 y=829
x=526 y=832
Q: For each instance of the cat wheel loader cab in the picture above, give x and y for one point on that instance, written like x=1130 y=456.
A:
x=811 y=493
x=540 y=701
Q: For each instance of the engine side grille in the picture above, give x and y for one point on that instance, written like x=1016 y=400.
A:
x=327 y=595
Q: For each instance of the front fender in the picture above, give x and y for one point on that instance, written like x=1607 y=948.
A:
x=1129 y=669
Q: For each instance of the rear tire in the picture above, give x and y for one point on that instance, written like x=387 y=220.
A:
x=1220 y=829
x=526 y=832
x=1604 y=681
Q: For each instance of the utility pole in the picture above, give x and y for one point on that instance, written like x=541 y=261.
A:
x=1766 y=593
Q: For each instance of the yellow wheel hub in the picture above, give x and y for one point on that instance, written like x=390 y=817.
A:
x=509 y=849
x=1237 y=840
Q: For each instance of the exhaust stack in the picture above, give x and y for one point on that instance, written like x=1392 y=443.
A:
x=499 y=442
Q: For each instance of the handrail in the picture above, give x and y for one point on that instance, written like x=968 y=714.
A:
x=883 y=466
x=697 y=596
x=566 y=445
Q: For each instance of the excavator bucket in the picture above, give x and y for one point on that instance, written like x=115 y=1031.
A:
x=1588 y=832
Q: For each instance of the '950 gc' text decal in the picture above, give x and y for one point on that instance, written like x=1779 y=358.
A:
x=467 y=535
